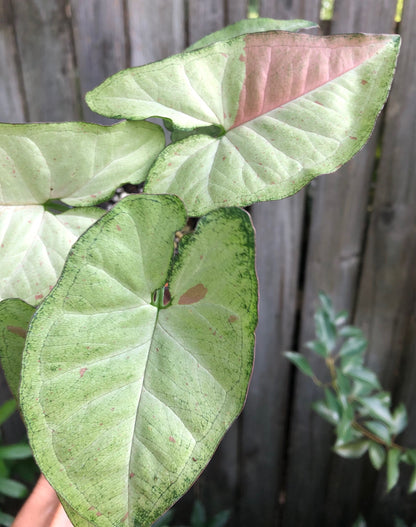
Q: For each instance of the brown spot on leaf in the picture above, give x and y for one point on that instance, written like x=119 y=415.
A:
x=131 y=475
x=193 y=459
x=364 y=82
x=193 y=295
x=20 y=332
x=353 y=138
x=38 y=297
x=125 y=517
x=172 y=439
x=232 y=318
x=118 y=227
x=82 y=371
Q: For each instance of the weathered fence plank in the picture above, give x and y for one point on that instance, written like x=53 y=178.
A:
x=44 y=37
x=338 y=220
x=156 y=28
x=11 y=93
x=100 y=44
x=387 y=294
x=204 y=18
x=265 y=419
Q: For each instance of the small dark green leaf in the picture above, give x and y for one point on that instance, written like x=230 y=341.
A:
x=350 y=331
x=345 y=431
x=5 y=519
x=300 y=362
x=164 y=520
x=393 y=460
x=327 y=305
x=325 y=329
x=7 y=409
x=399 y=419
x=16 y=451
x=379 y=429
x=326 y=413
x=341 y=318
x=352 y=450
x=351 y=362
x=353 y=346
x=220 y=519
x=360 y=522
x=377 y=455
x=332 y=401
x=365 y=375
x=318 y=347
x=377 y=409
x=412 y=483
x=198 y=516
x=12 y=489
x=409 y=457
x=361 y=389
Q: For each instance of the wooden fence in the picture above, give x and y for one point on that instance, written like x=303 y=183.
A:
x=351 y=234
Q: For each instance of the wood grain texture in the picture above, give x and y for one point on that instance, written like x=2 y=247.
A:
x=156 y=29
x=204 y=18
x=43 y=29
x=100 y=45
x=335 y=239
x=11 y=93
x=235 y=10
x=387 y=293
x=278 y=240
x=288 y=9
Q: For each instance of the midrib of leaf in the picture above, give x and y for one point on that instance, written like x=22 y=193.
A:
x=129 y=497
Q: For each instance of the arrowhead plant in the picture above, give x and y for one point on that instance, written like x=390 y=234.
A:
x=136 y=363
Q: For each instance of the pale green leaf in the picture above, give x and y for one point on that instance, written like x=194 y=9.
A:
x=78 y=163
x=253 y=25
x=325 y=329
x=33 y=247
x=127 y=398
x=393 y=460
x=300 y=361
x=377 y=455
x=282 y=117
x=350 y=331
x=364 y=375
x=15 y=316
x=355 y=449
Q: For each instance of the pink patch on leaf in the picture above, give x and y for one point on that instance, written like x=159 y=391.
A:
x=38 y=297
x=283 y=67
x=82 y=371
x=193 y=295
x=118 y=227
x=172 y=439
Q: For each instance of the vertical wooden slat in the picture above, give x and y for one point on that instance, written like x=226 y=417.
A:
x=338 y=220
x=235 y=10
x=265 y=418
x=44 y=39
x=283 y=9
x=100 y=45
x=204 y=18
x=156 y=29
x=11 y=96
x=387 y=294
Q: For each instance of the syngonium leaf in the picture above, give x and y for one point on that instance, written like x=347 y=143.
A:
x=287 y=107
x=251 y=25
x=15 y=316
x=79 y=164
x=126 y=397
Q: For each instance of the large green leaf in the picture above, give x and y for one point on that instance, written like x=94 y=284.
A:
x=251 y=25
x=15 y=316
x=286 y=107
x=126 y=396
x=80 y=164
